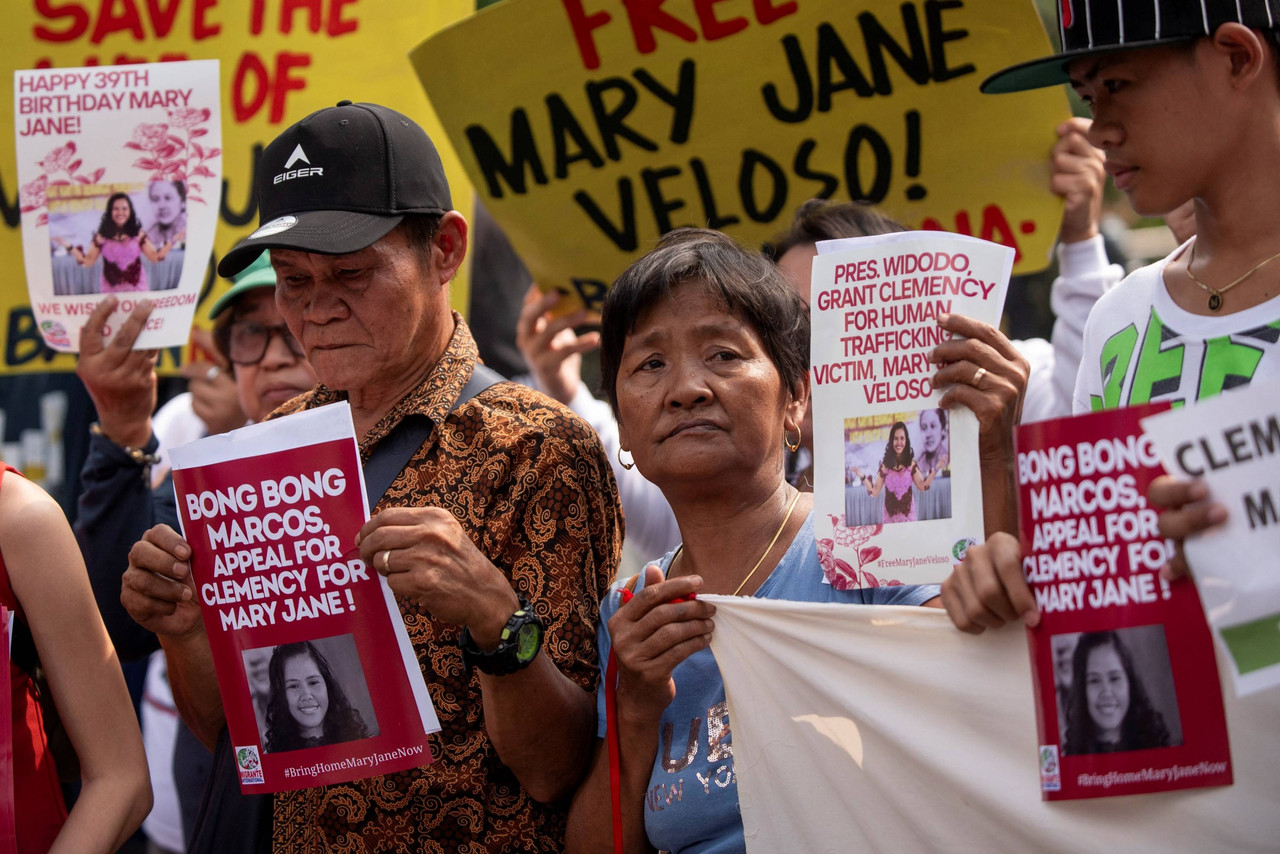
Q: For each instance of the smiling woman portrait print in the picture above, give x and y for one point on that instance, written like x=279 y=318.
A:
x=308 y=707
x=121 y=243
x=1109 y=709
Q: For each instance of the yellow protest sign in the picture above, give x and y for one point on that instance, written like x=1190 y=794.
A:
x=280 y=60
x=601 y=124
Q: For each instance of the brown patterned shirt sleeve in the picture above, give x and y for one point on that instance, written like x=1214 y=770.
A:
x=528 y=481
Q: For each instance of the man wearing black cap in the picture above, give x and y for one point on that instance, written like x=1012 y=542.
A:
x=1185 y=96
x=502 y=527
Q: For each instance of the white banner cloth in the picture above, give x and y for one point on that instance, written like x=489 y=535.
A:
x=884 y=729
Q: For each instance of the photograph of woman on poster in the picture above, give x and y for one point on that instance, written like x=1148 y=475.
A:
x=897 y=473
x=121 y=243
x=308 y=707
x=169 y=208
x=934 y=439
x=1109 y=707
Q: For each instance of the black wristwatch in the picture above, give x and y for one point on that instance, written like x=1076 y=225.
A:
x=517 y=646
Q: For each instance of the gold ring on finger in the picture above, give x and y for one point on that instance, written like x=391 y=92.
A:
x=386 y=560
x=977 y=378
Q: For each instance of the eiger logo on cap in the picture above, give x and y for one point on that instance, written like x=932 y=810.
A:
x=298 y=154
x=290 y=173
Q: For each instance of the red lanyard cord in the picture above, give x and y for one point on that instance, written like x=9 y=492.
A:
x=611 y=731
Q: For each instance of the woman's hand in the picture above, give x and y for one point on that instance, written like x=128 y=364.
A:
x=989 y=589
x=652 y=634
x=981 y=370
x=1188 y=512
x=214 y=396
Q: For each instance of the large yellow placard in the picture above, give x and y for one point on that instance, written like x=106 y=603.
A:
x=280 y=60
x=601 y=124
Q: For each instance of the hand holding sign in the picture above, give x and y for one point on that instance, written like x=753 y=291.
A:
x=550 y=345
x=988 y=589
x=1187 y=513
x=157 y=589
x=426 y=556
x=121 y=380
x=981 y=370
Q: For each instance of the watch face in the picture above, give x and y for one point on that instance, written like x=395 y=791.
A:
x=527 y=638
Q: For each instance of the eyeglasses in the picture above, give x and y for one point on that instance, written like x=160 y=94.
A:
x=246 y=343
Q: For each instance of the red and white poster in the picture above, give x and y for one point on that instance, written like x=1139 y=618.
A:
x=897 y=487
x=120 y=178
x=1125 y=678
x=319 y=680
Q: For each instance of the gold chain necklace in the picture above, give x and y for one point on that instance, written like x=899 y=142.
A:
x=767 y=549
x=1215 y=294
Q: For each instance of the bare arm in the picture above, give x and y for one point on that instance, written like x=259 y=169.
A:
x=49 y=579
x=84 y=259
x=923 y=483
x=159 y=593
x=153 y=254
x=870 y=484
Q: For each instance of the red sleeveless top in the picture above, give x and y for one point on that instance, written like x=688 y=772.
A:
x=39 y=811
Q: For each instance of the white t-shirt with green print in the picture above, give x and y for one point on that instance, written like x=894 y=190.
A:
x=1140 y=347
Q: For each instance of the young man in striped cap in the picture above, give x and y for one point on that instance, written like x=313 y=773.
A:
x=1185 y=96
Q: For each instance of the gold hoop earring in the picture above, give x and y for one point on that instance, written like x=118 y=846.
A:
x=626 y=465
x=786 y=439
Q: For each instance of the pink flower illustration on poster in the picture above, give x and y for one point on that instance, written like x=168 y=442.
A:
x=171 y=151
x=60 y=168
x=839 y=573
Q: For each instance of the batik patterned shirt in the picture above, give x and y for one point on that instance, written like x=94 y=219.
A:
x=529 y=482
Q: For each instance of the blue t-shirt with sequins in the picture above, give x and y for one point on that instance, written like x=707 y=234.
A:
x=691 y=805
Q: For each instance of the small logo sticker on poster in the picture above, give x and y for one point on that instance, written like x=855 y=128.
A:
x=249 y=765
x=55 y=333
x=961 y=548
x=1050 y=771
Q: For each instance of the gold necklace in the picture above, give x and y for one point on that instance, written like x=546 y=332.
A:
x=1215 y=294
x=767 y=549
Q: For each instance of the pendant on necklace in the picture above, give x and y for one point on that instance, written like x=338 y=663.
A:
x=1215 y=301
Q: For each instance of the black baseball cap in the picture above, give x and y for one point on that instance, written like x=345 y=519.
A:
x=339 y=180
x=1091 y=27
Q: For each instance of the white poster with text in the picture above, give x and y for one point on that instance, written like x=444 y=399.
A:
x=898 y=496
x=120 y=179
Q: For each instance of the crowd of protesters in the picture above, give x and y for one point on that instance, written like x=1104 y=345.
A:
x=704 y=441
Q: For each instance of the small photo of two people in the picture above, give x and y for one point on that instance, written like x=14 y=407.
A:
x=132 y=239
x=897 y=468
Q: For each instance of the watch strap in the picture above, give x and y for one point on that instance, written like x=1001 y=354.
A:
x=505 y=658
